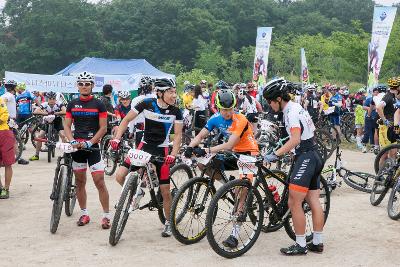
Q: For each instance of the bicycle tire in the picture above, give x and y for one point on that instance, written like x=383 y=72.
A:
x=59 y=200
x=324 y=192
x=70 y=199
x=324 y=137
x=117 y=226
x=377 y=193
x=49 y=139
x=394 y=197
x=176 y=219
x=109 y=156
x=382 y=152
x=18 y=148
x=212 y=214
x=35 y=129
x=363 y=187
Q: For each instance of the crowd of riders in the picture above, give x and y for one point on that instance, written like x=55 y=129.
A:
x=233 y=109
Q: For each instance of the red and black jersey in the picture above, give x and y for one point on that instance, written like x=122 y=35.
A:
x=85 y=114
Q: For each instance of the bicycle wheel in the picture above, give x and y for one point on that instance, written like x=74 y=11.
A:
x=122 y=212
x=35 y=134
x=271 y=222
x=382 y=152
x=393 y=207
x=110 y=156
x=381 y=184
x=325 y=200
x=179 y=174
x=49 y=140
x=70 y=199
x=189 y=208
x=326 y=138
x=59 y=198
x=360 y=181
x=239 y=205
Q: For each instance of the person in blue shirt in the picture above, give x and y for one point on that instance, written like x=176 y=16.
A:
x=24 y=100
x=336 y=101
x=370 y=121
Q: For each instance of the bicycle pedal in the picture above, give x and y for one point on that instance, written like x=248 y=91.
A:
x=144 y=206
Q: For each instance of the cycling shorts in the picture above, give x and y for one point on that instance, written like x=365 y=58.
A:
x=386 y=136
x=82 y=158
x=162 y=169
x=306 y=171
x=335 y=119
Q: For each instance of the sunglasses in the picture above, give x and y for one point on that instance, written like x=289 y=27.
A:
x=84 y=84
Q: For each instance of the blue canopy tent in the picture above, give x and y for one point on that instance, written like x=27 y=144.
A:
x=113 y=67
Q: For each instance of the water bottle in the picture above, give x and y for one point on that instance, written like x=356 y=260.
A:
x=153 y=176
x=136 y=200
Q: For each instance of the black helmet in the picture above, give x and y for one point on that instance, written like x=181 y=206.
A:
x=381 y=88
x=51 y=95
x=222 y=85
x=225 y=99
x=164 y=84
x=277 y=88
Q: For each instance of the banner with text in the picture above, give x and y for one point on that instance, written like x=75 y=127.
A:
x=305 y=78
x=67 y=84
x=261 y=56
x=381 y=28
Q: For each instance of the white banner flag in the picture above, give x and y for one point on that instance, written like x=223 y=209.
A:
x=67 y=84
x=305 y=78
x=261 y=55
x=381 y=28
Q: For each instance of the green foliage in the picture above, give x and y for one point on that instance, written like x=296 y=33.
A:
x=194 y=77
x=214 y=38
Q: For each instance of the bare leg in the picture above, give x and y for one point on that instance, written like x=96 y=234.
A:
x=80 y=178
x=98 y=179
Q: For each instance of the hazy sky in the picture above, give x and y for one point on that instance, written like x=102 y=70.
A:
x=384 y=2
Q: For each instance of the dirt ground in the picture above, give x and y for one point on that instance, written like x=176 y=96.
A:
x=356 y=233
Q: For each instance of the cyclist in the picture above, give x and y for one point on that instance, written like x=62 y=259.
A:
x=219 y=86
x=160 y=116
x=89 y=116
x=306 y=169
x=241 y=140
x=386 y=109
x=9 y=98
x=7 y=152
x=51 y=107
x=336 y=102
x=310 y=102
x=106 y=99
x=249 y=107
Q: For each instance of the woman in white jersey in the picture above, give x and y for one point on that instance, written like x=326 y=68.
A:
x=304 y=181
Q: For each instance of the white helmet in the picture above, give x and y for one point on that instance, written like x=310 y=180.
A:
x=164 y=84
x=124 y=94
x=85 y=77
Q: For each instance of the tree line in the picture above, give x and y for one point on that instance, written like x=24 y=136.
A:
x=196 y=38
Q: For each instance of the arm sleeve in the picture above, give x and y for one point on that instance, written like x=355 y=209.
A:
x=294 y=120
x=68 y=113
x=102 y=110
x=139 y=107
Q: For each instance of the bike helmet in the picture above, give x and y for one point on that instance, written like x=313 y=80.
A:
x=51 y=95
x=362 y=90
x=222 y=85
x=10 y=83
x=21 y=86
x=85 y=77
x=310 y=88
x=124 y=94
x=393 y=82
x=277 y=88
x=225 y=99
x=145 y=81
x=164 y=84
x=381 y=88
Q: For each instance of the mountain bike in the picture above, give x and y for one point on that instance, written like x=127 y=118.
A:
x=239 y=204
x=360 y=181
x=129 y=200
x=64 y=186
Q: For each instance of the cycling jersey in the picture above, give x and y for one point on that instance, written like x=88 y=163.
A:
x=239 y=126
x=121 y=110
x=158 y=121
x=249 y=105
x=24 y=103
x=3 y=116
x=325 y=101
x=295 y=117
x=85 y=114
x=336 y=99
x=9 y=98
x=51 y=110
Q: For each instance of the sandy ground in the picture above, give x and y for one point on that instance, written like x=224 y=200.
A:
x=356 y=234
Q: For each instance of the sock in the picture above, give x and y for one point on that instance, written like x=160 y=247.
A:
x=317 y=238
x=376 y=146
x=107 y=215
x=84 y=212
x=301 y=240
x=166 y=222
x=358 y=138
x=235 y=231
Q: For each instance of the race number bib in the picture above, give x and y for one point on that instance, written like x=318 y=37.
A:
x=206 y=159
x=65 y=147
x=138 y=157
x=49 y=118
x=247 y=165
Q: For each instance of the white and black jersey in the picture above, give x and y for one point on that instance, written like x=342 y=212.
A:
x=158 y=121
x=50 y=110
